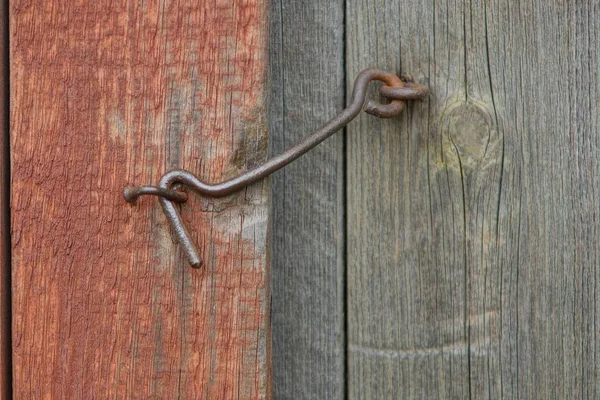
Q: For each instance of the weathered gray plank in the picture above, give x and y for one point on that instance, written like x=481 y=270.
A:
x=473 y=219
x=307 y=76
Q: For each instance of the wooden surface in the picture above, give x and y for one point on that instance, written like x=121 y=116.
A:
x=473 y=234
x=5 y=319
x=307 y=89
x=110 y=93
x=468 y=227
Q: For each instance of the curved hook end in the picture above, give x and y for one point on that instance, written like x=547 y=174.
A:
x=131 y=194
x=384 y=110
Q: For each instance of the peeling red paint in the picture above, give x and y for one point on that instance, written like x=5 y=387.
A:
x=107 y=94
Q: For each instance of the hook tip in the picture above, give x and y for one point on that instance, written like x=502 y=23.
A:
x=131 y=194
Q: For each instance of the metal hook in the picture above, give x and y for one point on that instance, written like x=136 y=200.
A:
x=394 y=89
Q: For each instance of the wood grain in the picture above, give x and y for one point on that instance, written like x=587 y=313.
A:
x=110 y=93
x=473 y=257
x=5 y=248
x=307 y=76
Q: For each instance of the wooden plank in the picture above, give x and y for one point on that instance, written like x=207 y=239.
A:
x=307 y=76
x=473 y=236
x=111 y=93
x=5 y=301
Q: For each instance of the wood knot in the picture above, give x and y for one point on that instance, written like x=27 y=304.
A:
x=469 y=134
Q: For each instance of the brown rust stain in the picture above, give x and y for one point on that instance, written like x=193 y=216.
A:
x=107 y=94
x=252 y=148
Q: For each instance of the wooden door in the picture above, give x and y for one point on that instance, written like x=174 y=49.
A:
x=456 y=253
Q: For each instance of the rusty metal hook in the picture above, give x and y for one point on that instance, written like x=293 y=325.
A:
x=394 y=90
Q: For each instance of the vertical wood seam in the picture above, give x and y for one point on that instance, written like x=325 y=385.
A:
x=344 y=224
x=5 y=299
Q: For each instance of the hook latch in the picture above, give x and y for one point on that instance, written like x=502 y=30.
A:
x=394 y=89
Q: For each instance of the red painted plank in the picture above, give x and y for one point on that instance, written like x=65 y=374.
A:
x=5 y=324
x=111 y=93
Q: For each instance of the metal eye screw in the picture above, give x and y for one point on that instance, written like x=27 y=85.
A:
x=395 y=90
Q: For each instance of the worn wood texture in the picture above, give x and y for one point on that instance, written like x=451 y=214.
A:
x=473 y=259
x=5 y=248
x=110 y=93
x=307 y=79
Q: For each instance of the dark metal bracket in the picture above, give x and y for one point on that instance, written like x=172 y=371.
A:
x=395 y=90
